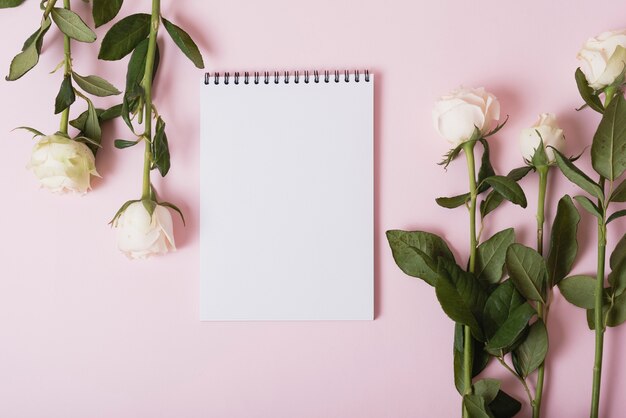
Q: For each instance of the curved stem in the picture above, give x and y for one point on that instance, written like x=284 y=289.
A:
x=518 y=377
x=147 y=86
x=65 y=115
x=598 y=311
x=541 y=309
x=468 y=354
x=48 y=9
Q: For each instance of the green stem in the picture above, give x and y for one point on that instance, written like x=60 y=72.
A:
x=65 y=115
x=49 y=7
x=468 y=354
x=598 y=319
x=518 y=377
x=147 y=86
x=541 y=309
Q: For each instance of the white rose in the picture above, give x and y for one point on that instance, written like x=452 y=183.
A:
x=602 y=60
x=62 y=164
x=140 y=235
x=456 y=114
x=551 y=134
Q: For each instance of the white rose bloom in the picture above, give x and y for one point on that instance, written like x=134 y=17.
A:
x=62 y=164
x=550 y=132
x=602 y=60
x=456 y=114
x=140 y=235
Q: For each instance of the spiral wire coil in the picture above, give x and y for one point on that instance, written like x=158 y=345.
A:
x=267 y=77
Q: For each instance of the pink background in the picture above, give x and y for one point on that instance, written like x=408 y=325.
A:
x=86 y=333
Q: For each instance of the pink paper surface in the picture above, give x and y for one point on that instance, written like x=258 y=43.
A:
x=86 y=333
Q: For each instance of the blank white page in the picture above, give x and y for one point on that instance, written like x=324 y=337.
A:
x=287 y=197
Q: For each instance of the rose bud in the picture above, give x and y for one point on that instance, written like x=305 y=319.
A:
x=62 y=164
x=458 y=114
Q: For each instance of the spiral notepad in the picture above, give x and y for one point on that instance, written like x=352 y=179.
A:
x=287 y=196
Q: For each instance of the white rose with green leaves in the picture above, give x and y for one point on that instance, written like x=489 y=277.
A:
x=604 y=59
x=458 y=114
x=62 y=164
x=141 y=235
x=545 y=130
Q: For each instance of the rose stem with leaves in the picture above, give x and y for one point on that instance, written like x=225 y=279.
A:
x=147 y=86
x=598 y=320
x=67 y=61
x=468 y=354
x=542 y=310
x=599 y=295
x=65 y=115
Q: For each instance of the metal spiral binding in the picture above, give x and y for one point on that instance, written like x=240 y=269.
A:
x=266 y=77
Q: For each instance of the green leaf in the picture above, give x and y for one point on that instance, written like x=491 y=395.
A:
x=24 y=61
x=79 y=122
x=500 y=306
x=124 y=36
x=504 y=406
x=150 y=205
x=579 y=290
x=65 y=97
x=461 y=296
x=160 y=149
x=497 y=128
x=111 y=113
x=619 y=253
x=5 y=4
x=127 y=108
x=454 y=201
x=563 y=243
x=92 y=128
x=508 y=188
x=174 y=207
x=88 y=141
x=479 y=361
x=137 y=65
x=531 y=353
x=616 y=215
x=486 y=169
x=72 y=25
x=33 y=131
x=490 y=256
x=587 y=93
x=184 y=42
x=105 y=10
x=528 y=271
x=453 y=153
x=103 y=116
x=416 y=253
x=38 y=36
x=121 y=210
x=608 y=149
x=95 y=85
x=617 y=314
x=134 y=77
x=576 y=176
x=29 y=57
x=494 y=199
x=617 y=278
x=589 y=206
x=476 y=407
x=509 y=332
x=619 y=194
x=606 y=306
x=122 y=143
x=487 y=389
